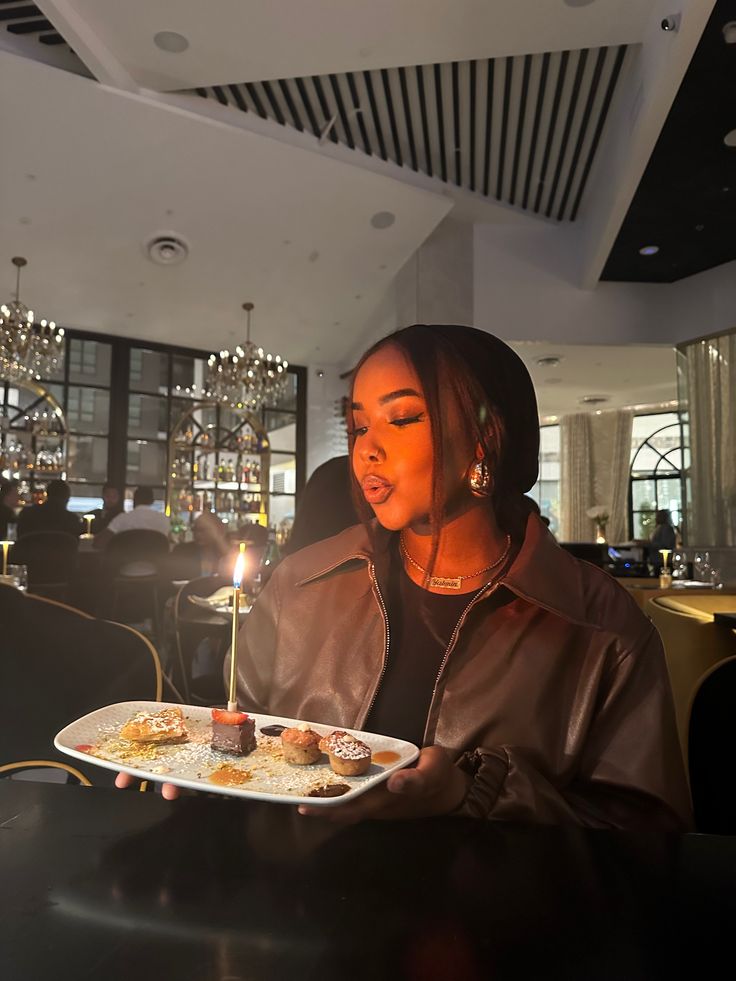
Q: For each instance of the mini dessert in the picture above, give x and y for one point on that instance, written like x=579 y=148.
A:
x=233 y=732
x=300 y=745
x=165 y=726
x=348 y=755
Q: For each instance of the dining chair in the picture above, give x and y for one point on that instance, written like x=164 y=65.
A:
x=134 y=569
x=51 y=559
x=712 y=749
x=692 y=645
x=19 y=769
x=193 y=626
x=58 y=664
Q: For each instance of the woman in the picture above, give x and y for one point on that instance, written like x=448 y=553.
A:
x=536 y=688
x=9 y=501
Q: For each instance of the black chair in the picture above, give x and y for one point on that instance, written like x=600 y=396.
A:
x=185 y=561
x=193 y=625
x=134 y=569
x=51 y=559
x=57 y=664
x=712 y=750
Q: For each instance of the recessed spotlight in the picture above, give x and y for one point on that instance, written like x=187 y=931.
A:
x=578 y=3
x=171 y=42
x=649 y=250
x=699 y=228
x=729 y=32
x=730 y=138
x=383 y=219
x=551 y=361
x=594 y=399
x=166 y=250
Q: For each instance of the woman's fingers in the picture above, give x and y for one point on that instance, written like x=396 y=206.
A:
x=123 y=780
x=169 y=791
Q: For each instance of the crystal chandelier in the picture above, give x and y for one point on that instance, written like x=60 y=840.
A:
x=247 y=377
x=28 y=350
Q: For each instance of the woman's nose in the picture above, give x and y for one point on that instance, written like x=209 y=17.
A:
x=370 y=450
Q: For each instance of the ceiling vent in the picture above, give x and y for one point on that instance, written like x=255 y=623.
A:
x=549 y=362
x=594 y=399
x=167 y=250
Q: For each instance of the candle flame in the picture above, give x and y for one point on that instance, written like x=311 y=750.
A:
x=238 y=571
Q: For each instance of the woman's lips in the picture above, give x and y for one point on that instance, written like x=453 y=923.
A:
x=376 y=490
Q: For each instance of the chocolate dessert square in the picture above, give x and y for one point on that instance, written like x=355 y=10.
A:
x=236 y=739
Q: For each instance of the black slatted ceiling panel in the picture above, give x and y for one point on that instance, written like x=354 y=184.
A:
x=522 y=129
x=25 y=18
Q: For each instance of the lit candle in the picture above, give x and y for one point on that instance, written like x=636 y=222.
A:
x=89 y=518
x=6 y=546
x=232 y=704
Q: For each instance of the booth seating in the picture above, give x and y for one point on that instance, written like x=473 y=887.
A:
x=693 y=643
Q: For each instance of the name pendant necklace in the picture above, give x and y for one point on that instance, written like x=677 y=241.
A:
x=455 y=582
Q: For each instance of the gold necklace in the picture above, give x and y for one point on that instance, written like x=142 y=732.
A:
x=439 y=582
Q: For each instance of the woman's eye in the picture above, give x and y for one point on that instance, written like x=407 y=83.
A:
x=358 y=431
x=407 y=420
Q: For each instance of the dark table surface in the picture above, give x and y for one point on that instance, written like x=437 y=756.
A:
x=726 y=619
x=121 y=885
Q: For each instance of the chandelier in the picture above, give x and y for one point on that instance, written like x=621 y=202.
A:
x=28 y=350
x=245 y=378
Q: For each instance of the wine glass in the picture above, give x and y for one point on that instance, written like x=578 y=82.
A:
x=698 y=560
x=679 y=564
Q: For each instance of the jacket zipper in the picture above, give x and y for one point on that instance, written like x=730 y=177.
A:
x=483 y=594
x=386 y=635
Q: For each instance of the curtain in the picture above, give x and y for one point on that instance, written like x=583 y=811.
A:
x=708 y=404
x=611 y=451
x=576 y=470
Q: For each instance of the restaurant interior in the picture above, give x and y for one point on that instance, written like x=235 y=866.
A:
x=209 y=212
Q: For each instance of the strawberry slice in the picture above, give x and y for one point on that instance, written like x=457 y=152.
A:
x=229 y=718
x=83 y=747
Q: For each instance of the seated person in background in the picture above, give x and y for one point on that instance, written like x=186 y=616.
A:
x=219 y=548
x=112 y=506
x=326 y=505
x=9 y=501
x=663 y=536
x=143 y=516
x=52 y=515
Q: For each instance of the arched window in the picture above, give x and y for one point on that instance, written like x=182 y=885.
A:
x=656 y=463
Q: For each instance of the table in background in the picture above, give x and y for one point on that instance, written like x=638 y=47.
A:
x=122 y=885
x=645 y=589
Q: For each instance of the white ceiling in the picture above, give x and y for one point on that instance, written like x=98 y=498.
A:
x=99 y=172
x=95 y=170
x=235 y=41
x=629 y=375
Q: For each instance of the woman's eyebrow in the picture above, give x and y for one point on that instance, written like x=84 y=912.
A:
x=400 y=393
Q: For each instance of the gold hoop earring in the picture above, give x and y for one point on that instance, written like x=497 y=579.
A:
x=480 y=479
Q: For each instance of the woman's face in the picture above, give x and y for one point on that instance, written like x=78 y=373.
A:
x=392 y=453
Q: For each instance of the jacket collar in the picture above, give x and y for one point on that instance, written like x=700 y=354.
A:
x=541 y=573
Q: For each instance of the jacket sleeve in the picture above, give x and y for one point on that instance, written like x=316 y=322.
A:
x=256 y=650
x=631 y=774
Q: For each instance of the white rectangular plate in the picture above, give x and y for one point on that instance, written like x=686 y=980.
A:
x=190 y=764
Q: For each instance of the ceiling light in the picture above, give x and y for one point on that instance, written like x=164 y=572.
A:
x=578 y=3
x=649 y=250
x=247 y=377
x=729 y=32
x=549 y=362
x=383 y=219
x=730 y=138
x=594 y=399
x=28 y=349
x=170 y=42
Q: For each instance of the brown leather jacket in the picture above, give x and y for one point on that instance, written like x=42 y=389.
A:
x=558 y=703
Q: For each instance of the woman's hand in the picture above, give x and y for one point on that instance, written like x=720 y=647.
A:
x=434 y=786
x=168 y=790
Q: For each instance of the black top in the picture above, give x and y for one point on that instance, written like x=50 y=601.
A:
x=103 y=517
x=50 y=516
x=421 y=627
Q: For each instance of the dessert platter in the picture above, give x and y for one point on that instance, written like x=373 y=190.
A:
x=231 y=752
